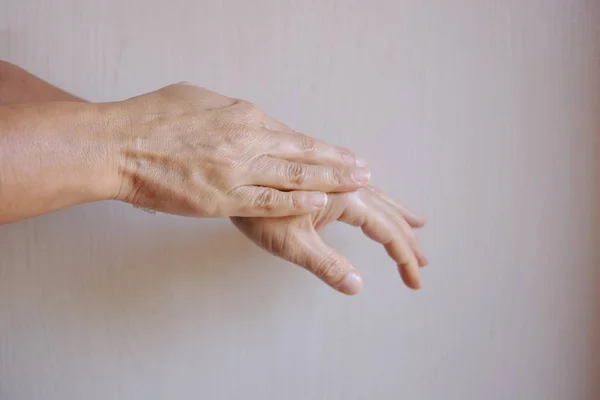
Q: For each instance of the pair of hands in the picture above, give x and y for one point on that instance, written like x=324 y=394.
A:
x=193 y=152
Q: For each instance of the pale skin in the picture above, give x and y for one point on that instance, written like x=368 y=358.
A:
x=188 y=151
x=181 y=150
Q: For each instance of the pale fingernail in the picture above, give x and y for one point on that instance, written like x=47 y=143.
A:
x=318 y=200
x=361 y=175
x=361 y=162
x=352 y=284
x=349 y=159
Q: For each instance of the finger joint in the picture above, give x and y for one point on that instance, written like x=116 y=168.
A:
x=330 y=269
x=267 y=200
x=307 y=144
x=296 y=173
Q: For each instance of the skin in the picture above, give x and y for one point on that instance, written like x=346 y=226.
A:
x=294 y=238
x=181 y=150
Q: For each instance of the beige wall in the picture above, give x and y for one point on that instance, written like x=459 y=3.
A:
x=483 y=115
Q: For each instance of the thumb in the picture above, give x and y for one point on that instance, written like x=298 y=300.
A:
x=313 y=254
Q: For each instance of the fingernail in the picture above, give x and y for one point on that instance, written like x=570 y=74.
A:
x=361 y=175
x=318 y=200
x=352 y=284
x=349 y=159
x=361 y=162
x=418 y=284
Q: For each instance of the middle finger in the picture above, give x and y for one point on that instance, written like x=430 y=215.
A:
x=285 y=175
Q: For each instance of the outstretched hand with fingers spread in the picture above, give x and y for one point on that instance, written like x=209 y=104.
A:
x=296 y=238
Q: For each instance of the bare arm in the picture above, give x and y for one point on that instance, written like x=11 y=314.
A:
x=19 y=86
x=53 y=155
x=379 y=217
x=182 y=150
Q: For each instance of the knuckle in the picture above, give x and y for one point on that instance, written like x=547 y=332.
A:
x=398 y=252
x=239 y=114
x=306 y=143
x=267 y=200
x=405 y=259
x=249 y=112
x=330 y=269
x=296 y=173
x=297 y=201
x=182 y=90
x=336 y=176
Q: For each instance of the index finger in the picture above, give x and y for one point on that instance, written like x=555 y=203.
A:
x=303 y=148
x=295 y=146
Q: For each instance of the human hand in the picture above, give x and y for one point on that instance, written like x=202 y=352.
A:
x=189 y=151
x=296 y=238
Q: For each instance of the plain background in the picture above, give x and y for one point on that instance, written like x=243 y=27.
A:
x=481 y=115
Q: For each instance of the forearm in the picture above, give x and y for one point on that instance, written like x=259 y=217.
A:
x=54 y=155
x=19 y=86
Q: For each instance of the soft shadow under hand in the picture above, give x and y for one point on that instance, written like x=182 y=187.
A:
x=84 y=268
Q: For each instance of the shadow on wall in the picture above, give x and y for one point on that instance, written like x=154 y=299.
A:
x=73 y=270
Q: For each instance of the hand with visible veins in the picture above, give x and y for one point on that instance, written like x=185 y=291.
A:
x=293 y=238
x=296 y=239
x=181 y=149
x=189 y=151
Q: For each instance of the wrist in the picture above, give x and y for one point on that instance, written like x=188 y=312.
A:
x=102 y=141
x=54 y=155
x=118 y=135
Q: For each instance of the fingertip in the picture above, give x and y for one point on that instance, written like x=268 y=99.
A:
x=351 y=285
x=361 y=162
x=415 y=221
x=423 y=261
x=410 y=278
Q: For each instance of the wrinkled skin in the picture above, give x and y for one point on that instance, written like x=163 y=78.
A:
x=189 y=151
x=296 y=239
